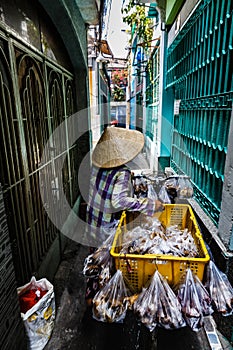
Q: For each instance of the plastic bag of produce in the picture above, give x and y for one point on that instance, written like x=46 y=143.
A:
x=184 y=188
x=157 y=305
x=140 y=187
x=110 y=304
x=220 y=289
x=37 y=304
x=195 y=301
x=100 y=262
x=204 y=297
x=171 y=187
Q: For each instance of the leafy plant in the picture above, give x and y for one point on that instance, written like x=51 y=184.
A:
x=118 y=93
x=135 y=16
x=119 y=82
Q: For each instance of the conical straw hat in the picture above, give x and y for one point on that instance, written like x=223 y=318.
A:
x=116 y=147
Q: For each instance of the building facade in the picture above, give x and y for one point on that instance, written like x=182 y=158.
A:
x=44 y=81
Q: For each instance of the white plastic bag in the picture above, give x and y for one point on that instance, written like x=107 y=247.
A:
x=39 y=319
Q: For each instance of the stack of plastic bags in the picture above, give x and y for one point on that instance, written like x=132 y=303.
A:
x=157 y=304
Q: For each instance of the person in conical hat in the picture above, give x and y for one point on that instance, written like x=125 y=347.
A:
x=111 y=189
x=117 y=146
x=110 y=184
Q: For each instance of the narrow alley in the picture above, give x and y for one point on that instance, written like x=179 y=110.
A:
x=111 y=106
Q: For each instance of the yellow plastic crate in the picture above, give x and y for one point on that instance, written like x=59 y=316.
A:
x=138 y=269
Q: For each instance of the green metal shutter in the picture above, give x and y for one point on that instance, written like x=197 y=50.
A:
x=200 y=65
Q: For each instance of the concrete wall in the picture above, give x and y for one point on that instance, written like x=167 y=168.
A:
x=67 y=18
x=226 y=215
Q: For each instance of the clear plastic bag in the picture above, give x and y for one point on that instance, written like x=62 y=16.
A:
x=157 y=305
x=140 y=187
x=220 y=289
x=152 y=193
x=163 y=195
x=152 y=238
x=142 y=238
x=181 y=242
x=171 y=183
x=195 y=301
x=95 y=262
x=204 y=297
x=110 y=304
x=184 y=188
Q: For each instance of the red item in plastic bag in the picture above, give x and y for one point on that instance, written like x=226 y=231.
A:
x=29 y=298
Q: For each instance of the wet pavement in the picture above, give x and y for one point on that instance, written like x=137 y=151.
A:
x=75 y=328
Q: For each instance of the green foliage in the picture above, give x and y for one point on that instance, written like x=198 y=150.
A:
x=135 y=17
x=118 y=93
x=119 y=83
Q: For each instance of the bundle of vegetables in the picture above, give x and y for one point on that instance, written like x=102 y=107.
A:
x=157 y=305
x=110 y=304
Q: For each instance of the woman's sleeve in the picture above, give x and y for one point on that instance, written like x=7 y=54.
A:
x=121 y=199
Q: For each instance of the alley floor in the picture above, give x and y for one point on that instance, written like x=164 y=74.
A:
x=75 y=328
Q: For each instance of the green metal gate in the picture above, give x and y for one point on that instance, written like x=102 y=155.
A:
x=36 y=96
x=199 y=69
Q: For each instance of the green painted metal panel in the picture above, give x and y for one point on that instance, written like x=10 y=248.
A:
x=172 y=8
x=36 y=96
x=199 y=69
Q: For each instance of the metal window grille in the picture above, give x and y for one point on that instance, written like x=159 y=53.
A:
x=200 y=66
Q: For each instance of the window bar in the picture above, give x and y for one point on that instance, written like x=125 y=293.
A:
x=219 y=40
x=196 y=82
x=212 y=11
x=225 y=35
x=199 y=31
x=205 y=80
x=203 y=19
x=217 y=14
x=222 y=12
x=214 y=79
x=213 y=46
